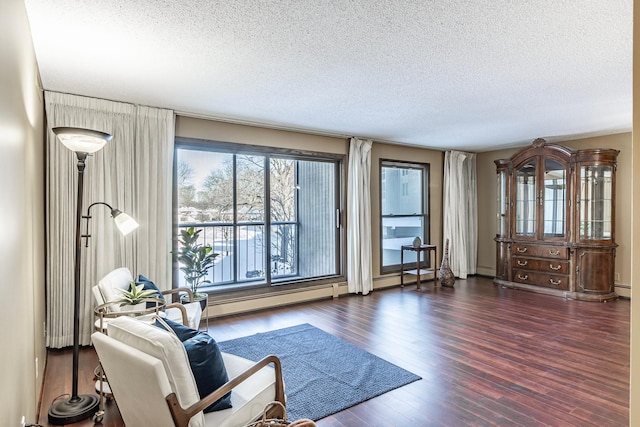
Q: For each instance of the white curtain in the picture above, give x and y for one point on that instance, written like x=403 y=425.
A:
x=359 y=266
x=121 y=175
x=154 y=188
x=460 y=211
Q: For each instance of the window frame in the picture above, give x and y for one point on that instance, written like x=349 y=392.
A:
x=425 y=203
x=269 y=285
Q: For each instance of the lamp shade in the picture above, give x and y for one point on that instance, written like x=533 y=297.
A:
x=124 y=222
x=81 y=140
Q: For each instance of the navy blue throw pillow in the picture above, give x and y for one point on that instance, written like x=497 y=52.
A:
x=148 y=284
x=206 y=362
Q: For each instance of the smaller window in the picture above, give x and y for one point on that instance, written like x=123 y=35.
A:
x=404 y=210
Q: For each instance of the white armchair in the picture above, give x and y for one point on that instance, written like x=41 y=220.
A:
x=106 y=291
x=153 y=385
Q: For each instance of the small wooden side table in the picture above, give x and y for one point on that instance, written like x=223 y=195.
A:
x=419 y=271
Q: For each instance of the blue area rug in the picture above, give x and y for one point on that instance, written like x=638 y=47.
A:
x=323 y=374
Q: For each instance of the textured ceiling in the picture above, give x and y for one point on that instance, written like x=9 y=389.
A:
x=460 y=74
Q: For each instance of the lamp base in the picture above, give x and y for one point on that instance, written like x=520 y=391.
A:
x=73 y=409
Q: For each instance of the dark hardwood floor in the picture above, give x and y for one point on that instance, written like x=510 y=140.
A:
x=488 y=356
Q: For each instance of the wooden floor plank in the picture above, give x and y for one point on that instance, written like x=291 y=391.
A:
x=489 y=356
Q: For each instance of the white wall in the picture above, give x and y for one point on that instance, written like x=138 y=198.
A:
x=21 y=218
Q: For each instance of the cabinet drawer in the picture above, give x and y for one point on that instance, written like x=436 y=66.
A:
x=555 y=281
x=542 y=251
x=549 y=266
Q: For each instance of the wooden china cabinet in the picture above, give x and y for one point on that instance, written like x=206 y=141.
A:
x=556 y=221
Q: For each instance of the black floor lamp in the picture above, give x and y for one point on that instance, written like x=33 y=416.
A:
x=83 y=142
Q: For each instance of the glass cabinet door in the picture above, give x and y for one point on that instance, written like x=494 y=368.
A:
x=526 y=199
x=554 y=196
x=502 y=204
x=596 y=202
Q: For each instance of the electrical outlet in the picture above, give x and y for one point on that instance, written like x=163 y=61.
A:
x=617 y=277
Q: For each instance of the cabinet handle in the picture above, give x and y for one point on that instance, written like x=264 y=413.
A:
x=521 y=277
x=522 y=263
x=556 y=252
x=555 y=283
x=521 y=250
x=555 y=268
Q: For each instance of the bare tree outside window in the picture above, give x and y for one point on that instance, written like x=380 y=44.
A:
x=283 y=216
x=215 y=196
x=186 y=189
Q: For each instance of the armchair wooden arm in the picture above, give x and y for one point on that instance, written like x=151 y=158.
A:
x=183 y=311
x=181 y=416
x=179 y=305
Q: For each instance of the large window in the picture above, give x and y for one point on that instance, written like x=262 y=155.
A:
x=404 y=210
x=271 y=216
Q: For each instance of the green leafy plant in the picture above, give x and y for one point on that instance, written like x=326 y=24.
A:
x=195 y=259
x=135 y=295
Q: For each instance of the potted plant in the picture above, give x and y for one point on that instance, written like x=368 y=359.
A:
x=195 y=260
x=135 y=297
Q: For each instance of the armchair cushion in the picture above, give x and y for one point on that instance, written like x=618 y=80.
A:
x=166 y=347
x=248 y=398
x=132 y=374
x=120 y=278
x=149 y=285
x=206 y=362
